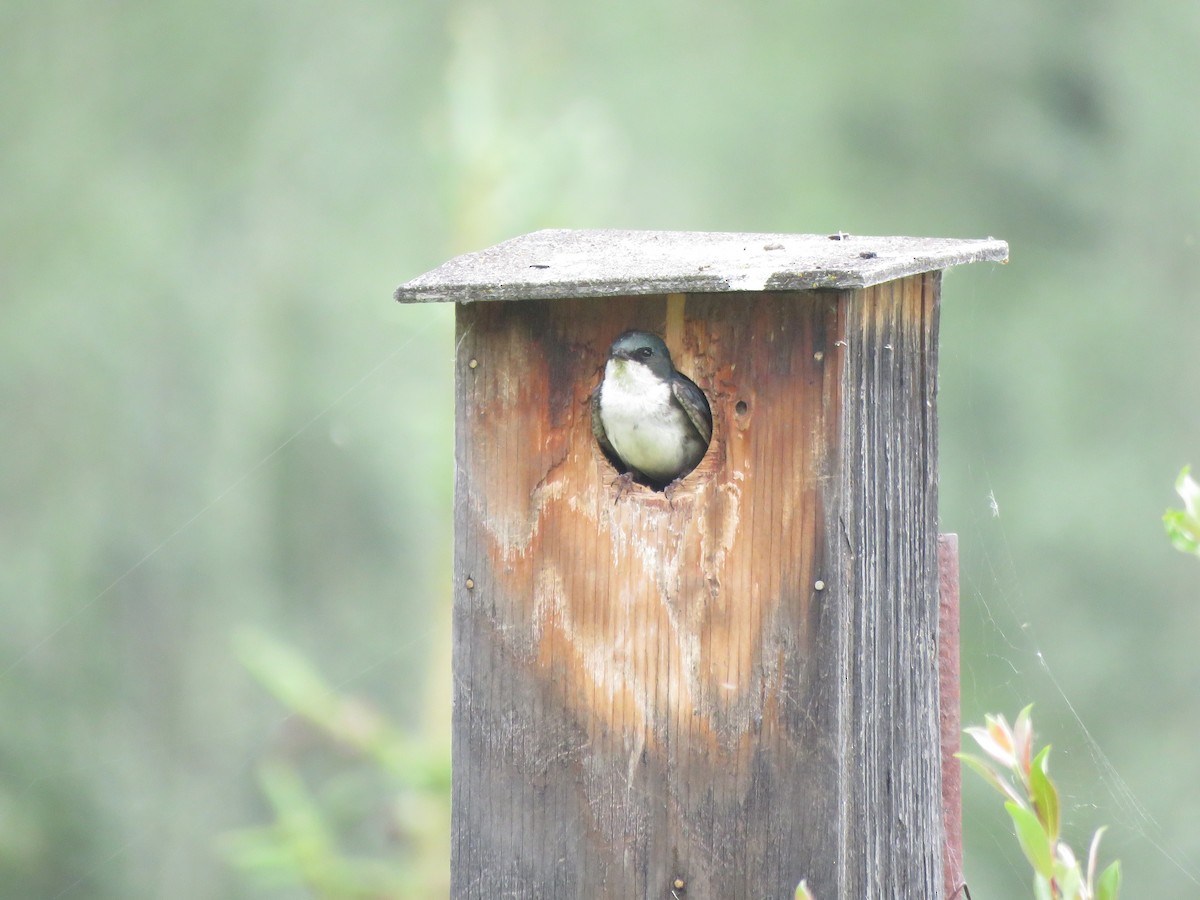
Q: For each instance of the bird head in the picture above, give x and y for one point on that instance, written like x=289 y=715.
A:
x=645 y=349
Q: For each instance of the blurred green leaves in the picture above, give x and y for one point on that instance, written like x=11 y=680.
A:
x=368 y=766
x=300 y=847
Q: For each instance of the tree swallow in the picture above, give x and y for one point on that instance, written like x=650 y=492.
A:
x=647 y=417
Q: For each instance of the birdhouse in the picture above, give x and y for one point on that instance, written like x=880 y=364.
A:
x=719 y=683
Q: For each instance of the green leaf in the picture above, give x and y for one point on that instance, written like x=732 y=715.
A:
x=995 y=740
x=1067 y=877
x=990 y=775
x=1045 y=795
x=1023 y=737
x=1110 y=882
x=1188 y=491
x=802 y=891
x=1032 y=838
x=1093 y=855
x=1183 y=525
x=1182 y=531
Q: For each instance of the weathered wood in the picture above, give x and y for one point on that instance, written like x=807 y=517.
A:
x=949 y=702
x=719 y=691
x=571 y=263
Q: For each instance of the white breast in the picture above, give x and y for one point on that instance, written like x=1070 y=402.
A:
x=643 y=425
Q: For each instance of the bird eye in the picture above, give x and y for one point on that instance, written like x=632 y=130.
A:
x=645 y=352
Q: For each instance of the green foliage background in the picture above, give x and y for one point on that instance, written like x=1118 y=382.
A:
x=213 y=419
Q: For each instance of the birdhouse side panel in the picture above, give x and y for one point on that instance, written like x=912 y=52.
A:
x=884 y=543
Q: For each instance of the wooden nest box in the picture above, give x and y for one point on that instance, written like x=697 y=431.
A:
x=716 y=690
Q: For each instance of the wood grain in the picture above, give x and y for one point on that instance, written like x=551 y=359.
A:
x=949 y=699
x=727 y=687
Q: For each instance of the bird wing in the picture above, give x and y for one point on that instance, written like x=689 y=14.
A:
x=694 y=403
x=598 y=428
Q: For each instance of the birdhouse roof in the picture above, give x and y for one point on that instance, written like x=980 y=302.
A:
x=558 y=263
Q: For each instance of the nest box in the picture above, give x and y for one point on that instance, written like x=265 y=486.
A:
x=722 y=688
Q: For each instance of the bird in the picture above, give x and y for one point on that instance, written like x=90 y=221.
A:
x=647 y=417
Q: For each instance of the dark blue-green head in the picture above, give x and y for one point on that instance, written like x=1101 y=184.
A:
x=643 y=347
